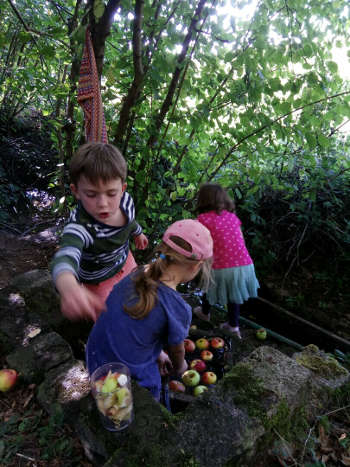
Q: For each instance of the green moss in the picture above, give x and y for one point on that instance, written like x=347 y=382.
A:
x=322 y=364
x=168 y=417
x=291 y=426
x=246 y=388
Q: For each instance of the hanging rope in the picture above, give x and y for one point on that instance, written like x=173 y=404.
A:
x=89 y=95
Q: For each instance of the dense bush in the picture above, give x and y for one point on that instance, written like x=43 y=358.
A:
x=27 y=162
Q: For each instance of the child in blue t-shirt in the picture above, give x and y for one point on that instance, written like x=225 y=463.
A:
x=145 y=314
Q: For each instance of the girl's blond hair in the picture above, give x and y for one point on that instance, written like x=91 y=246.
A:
x=146 y=279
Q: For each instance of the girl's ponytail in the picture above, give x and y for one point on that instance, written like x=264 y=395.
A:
x=146 y=284
x=146 y=278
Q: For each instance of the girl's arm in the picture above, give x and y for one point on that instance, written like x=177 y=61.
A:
x=177 y=357
x=164 y=364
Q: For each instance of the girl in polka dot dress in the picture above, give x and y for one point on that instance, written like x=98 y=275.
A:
x=233 y=268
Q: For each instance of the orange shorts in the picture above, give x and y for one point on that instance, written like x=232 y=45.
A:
x=104 y=288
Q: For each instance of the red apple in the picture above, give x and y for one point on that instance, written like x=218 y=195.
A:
x=191 y=378
x=209 y=377
x=261 y=334
x=217 y=343
x=198 y=365
x=206 y=355
x=202 y=343
x=189 y=345
x=7 y=379
x=198 y=390
x=176 y=386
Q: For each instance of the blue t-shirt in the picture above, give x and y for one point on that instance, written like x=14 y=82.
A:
x=117 y=337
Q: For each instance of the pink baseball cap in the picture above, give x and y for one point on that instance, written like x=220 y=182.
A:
x=194 y=233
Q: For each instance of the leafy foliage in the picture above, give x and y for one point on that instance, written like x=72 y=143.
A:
x=36 y=433
x=246 y=94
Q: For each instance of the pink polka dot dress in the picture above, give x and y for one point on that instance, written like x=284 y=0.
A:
x=233 y=268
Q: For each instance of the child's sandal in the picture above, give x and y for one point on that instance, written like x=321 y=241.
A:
x=233 y=330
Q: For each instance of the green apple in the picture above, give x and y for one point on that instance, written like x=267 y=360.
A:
x=121 y=395
x=202 y=343
x=198 y=390
x=191 y=378
x=261 y=334
x=110 y=384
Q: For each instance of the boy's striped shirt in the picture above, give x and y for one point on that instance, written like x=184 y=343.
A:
x=94 y=251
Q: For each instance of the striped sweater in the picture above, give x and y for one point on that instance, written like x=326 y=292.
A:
x=91 y=250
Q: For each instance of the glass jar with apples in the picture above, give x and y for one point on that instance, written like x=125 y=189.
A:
x=111 y=388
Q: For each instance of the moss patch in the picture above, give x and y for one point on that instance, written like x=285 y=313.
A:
x=320 y=363
x=246 y=389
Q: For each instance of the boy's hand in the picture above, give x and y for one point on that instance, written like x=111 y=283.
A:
x=76 y=301
x=164 y=364
x=141 y=241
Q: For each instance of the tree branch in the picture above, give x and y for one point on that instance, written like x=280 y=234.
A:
x=135 y=89
x=102 y=29
x=34 y=31
x=158 y=121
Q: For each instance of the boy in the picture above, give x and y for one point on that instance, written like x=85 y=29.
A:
x=94 y=250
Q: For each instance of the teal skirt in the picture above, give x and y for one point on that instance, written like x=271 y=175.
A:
x=233 y=285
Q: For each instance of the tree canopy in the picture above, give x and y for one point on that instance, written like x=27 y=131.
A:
x=192 y=91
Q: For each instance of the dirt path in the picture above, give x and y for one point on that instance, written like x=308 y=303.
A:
x=22 y=253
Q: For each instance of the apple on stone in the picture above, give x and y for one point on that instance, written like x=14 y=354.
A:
x=206 y=355
x=189 y=345
x=8 y=379
x=217 y=343
x=176 y=386
x=191 y=378
x=209 y=377
x=261 y=334
x=198 y=390
x=202 y=343
x=198 y=365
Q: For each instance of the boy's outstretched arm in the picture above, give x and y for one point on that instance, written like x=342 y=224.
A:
x=141 y=241
x=76 y=301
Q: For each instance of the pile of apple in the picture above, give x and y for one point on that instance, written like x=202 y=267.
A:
x=198 y=377
x=113 y=398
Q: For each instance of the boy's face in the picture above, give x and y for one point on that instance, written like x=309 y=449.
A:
x=102 y=199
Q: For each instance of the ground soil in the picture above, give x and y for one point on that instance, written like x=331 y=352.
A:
x=22 y=253
x=22 y=249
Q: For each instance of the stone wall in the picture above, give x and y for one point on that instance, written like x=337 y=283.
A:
x=227 y=424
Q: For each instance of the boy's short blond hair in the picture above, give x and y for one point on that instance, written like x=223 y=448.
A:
x=97 y=161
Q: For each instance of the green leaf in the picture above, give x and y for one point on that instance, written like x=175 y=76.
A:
x=332 y=66
x=99 y=9
x=229 y=56
x=323 y=140
x=308 y=50
x=311 y=140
